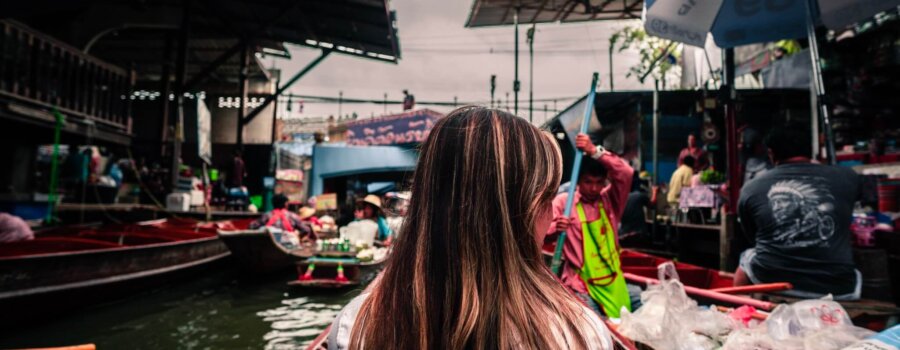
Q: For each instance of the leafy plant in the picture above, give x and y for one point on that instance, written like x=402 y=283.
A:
x=658 y=56
x=711 y=177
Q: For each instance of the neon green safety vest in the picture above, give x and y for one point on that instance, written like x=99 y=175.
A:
x=602 y=269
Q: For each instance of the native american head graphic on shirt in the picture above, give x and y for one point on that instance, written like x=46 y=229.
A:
x=803 y=211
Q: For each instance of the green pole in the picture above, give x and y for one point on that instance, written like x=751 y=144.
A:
x=54 y=166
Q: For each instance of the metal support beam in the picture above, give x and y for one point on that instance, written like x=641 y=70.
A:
x=180 y=70
x=225 y=56
x=727 y=94
x=242 y=86
x=165 y=88
x=531 y=72
x=286 y=86
x=656 y=132
x=818 y=85
x=198 y=79
x=611 y=84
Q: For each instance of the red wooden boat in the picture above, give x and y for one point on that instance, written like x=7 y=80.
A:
x=259 y=251
x=716 y=287
x=641 y=264
x=43 y=274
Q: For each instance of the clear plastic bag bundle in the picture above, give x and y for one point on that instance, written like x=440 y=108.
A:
x=670 y=320
x=819 y=324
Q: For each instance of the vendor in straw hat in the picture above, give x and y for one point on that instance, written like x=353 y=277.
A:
x=370 y=209
x=308 y=214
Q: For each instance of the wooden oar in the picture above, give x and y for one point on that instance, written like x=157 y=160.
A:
x=708 y=294
x=755 y=288
x=573 y=179
x=73 y=347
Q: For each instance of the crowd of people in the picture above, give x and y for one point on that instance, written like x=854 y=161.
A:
x=303 y=224
x=484 y=201
x=467 y=268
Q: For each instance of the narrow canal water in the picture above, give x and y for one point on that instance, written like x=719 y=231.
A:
x=216 y=310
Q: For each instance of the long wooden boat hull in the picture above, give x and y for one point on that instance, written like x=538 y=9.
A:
x=36 y=284
x=255 y=251
x=874 y=316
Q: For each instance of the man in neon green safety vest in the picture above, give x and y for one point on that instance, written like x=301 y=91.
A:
x=592 y=269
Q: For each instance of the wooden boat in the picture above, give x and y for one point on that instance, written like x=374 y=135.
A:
x=642 y=264
x=90 y=262
x=261 y=251
x=870 y=314
x=714 y=285
x=336 y=271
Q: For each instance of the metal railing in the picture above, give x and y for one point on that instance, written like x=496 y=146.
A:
x=43 y=72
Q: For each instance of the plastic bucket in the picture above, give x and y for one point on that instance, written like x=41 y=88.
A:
x=887 y=195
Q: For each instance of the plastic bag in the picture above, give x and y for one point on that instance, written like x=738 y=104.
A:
x=819 y=324
x=670 y=320
x=755 y=338
x=835 y=337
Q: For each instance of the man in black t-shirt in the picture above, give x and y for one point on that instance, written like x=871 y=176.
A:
x=799 y=216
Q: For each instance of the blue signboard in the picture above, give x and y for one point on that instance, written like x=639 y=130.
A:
x=409 y=127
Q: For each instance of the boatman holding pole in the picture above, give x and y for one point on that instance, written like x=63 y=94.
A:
x=592 y=268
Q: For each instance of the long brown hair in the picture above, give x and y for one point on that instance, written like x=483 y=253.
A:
x=466 y=271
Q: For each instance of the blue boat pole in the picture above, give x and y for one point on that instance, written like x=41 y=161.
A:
x=573 y=179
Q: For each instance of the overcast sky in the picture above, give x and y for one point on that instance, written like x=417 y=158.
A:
x=441 y=59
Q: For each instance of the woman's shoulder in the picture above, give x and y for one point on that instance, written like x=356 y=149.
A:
x=339 y=335
x=595 y=323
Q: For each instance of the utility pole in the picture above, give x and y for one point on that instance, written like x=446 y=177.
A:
x=545 y=113
x=531 y=72
x=611 y=87
x=385 y=103
x=516 y=78
x=493 y=88
x=242 y=105
x=340 y=102
x=454 y=102
x=180 y=74
x=507 y=101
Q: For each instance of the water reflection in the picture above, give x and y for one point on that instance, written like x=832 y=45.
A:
x=217 y=310
x=298 y=321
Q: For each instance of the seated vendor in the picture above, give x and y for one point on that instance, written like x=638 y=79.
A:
x=283 y=219
x=799 y=216
x=370 y=209
x=308 y=215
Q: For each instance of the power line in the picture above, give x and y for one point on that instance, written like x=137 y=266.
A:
x=573 y=28
x=350 y=100
x=499 y=51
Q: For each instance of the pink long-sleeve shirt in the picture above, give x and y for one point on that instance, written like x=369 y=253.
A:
x=614 y=196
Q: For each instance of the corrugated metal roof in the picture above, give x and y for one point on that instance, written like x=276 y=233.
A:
x=132 y=33
x=486 y=13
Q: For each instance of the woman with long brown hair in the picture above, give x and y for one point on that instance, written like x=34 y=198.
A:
x=467 y=271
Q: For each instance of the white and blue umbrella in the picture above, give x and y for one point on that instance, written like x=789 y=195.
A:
x=741 y=22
